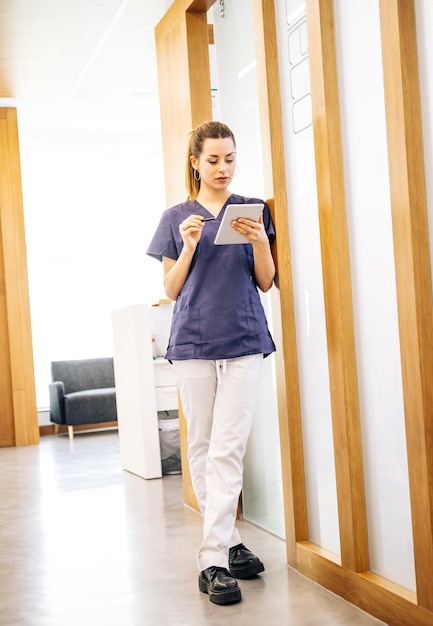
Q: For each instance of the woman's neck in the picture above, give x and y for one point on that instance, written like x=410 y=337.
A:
x=213 y=202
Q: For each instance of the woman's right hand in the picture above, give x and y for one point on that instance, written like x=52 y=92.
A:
x=176 y=271
x=190 y=231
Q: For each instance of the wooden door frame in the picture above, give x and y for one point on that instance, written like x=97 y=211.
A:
x=18 y=413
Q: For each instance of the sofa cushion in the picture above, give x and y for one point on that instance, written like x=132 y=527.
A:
x=82 y=374
x=90 y=406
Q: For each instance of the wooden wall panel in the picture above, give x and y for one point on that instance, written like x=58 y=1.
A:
x=353 y=580
x=184 y=85
x=413 y=270
x=18 y=404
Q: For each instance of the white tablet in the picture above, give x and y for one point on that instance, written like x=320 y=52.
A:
x=225 y=233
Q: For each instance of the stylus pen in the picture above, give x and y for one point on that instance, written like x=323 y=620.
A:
x=207 y=219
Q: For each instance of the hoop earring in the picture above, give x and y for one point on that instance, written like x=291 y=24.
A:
x=236 y=172
x=196 y=174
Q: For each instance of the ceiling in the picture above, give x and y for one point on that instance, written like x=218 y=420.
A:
x=79 y=62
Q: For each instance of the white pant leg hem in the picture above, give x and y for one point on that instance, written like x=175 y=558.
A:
x=211 y=560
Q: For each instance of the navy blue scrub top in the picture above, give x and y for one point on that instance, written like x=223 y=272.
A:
x=218 y=314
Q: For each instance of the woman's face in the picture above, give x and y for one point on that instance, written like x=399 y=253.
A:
x=216 y=163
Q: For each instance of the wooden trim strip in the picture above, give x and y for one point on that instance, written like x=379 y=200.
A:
x=337 y=286
x=17 y=348
x=210 y=34
x=177 y=12
x=51 y=429
x=413 y=270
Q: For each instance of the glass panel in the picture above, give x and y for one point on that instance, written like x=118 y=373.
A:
x=373 y=281
x=424 y=29
x=235 y=79
x=307 y=279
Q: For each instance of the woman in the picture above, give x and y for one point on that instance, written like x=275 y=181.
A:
x=218 y=339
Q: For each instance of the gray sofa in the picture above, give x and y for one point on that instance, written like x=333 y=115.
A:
x=82 y=392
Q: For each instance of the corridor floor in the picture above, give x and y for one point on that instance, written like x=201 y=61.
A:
x=83 y=542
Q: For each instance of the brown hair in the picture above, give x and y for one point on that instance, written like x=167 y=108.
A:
x=207 y=130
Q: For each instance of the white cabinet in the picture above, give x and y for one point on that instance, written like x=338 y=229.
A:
x=165 y=385
x=144 y=386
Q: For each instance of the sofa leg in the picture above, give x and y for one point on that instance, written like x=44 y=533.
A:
x=56 y=429
x=71 y=432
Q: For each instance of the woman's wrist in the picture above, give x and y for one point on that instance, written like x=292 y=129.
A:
x=187 y=253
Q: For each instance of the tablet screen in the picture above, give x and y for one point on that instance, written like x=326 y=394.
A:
x=225 y=233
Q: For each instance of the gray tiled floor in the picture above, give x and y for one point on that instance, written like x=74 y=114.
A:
x=83 y=542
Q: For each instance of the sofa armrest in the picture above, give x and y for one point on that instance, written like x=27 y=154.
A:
x=57 y=402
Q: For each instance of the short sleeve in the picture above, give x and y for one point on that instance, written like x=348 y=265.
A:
x=268 y=224
x=163 y=242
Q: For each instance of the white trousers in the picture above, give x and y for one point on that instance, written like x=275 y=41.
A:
x=218 y=399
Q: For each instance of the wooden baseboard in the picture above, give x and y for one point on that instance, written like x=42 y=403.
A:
x=381 y=598
x=49 y=429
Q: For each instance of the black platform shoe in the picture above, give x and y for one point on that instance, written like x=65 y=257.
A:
x=220 y=585
x=243 y=563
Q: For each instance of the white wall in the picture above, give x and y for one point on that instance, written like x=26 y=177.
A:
x=93 y=190
x=92 y=199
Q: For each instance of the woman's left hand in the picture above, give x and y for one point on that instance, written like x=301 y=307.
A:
x=254 y=232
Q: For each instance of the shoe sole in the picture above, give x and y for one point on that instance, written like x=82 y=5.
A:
x=226 y=596
x=247 y=571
